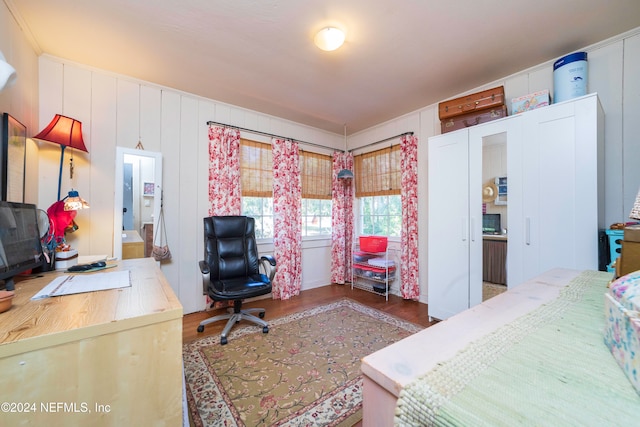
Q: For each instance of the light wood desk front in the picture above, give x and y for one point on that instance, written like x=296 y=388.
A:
x=106 y=358
x=132 y=245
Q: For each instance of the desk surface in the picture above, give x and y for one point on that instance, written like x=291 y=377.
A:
x=131 y=236
x=32 y=325
x=497 y=237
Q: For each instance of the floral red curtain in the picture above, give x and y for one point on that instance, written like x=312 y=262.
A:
x=341 y=219
x=287 y=220
x=225 y=197
x=409 y=278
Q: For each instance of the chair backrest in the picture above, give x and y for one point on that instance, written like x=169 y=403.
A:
x=230 y=247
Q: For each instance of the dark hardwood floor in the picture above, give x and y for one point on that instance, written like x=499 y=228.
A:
x=411 y=311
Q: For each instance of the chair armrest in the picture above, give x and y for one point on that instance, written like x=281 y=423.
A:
x=268 y=263
x=204 y=269
x=269 y=258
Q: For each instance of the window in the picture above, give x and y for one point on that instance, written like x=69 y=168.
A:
x=260 y=208
x=378 y=180
x=256 y=175
x=381 y=215
x=316 y=217
x=316 y=174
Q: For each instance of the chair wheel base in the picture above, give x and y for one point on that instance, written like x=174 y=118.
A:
x=265 y=330
x=223 y=340
x=200 y=328
x=261 y=315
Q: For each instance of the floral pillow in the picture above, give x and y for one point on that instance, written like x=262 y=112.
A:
x=626 y=290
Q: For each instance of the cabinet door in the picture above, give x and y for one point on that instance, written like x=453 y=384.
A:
x=560 y=187
x=509 y=132
x=448 y=224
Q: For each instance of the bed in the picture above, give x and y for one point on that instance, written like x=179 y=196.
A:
x=531 y=356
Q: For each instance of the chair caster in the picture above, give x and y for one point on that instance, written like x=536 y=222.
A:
x=223 y=340
x=200 y=328
x=261 y=315
x=265 y=329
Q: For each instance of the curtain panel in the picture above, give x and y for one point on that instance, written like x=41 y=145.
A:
x=224 y=171
x=409 y=278
x=287 y=221
x=341 y=220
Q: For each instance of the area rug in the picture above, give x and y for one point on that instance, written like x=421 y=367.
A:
x=304 y=372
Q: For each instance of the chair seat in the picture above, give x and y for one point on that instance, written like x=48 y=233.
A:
x=239 y=288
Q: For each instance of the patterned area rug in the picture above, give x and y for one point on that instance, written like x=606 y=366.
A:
x=304 y=372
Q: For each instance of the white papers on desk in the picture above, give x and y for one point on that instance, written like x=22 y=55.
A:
x=79 y=283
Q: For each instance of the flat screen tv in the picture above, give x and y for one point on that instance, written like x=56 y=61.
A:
x=20 y=246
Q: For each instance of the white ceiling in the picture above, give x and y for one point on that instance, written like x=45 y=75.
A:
x=399 y=55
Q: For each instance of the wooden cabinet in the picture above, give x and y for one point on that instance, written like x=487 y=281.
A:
x=454 y=223
x=113 y=357
x=562 y=185
x=455 y=242
x=555 y=208
x=132 y=245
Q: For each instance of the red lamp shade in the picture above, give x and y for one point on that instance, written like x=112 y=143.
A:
x=64 y=131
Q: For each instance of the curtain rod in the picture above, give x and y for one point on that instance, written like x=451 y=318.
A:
x=381 y=141
x=271 y=135
x=210 y=122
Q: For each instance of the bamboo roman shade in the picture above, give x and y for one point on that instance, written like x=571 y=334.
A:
x=378 y=173
x=315 y=173
x=256 y=169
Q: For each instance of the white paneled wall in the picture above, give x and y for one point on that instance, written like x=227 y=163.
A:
x=614 y=67
x=120 y=111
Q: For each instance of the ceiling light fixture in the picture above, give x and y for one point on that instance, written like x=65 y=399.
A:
x=329 y=38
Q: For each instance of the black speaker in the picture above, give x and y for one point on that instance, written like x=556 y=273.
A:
x=604 y=256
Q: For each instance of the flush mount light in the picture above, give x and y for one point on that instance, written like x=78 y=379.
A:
x=329 y=38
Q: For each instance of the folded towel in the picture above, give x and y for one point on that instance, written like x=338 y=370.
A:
x=381 y=262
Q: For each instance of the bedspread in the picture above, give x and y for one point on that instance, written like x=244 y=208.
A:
x=548 y=367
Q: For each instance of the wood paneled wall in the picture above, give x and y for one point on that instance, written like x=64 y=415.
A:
x=119 y=111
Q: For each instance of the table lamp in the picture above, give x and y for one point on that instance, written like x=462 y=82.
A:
x=68 y=133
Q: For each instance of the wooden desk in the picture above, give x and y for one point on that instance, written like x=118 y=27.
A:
x=107 y=358
x=132 y=245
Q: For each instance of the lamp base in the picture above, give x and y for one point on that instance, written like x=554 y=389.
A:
x=66 y=259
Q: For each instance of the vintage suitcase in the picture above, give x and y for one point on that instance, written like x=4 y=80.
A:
x=472 y=119
x=622 y=327
x=490 y=98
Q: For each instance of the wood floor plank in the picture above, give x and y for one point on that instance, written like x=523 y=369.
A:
x=411 y=311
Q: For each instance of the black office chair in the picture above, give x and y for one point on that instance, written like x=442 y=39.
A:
x=231 y=269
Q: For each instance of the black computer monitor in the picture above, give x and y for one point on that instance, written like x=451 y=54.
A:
x=20 y=246
x=491 y=224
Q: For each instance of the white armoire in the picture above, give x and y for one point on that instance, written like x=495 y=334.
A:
x=555 y=201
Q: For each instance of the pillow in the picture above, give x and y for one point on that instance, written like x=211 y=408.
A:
x=626 y=290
